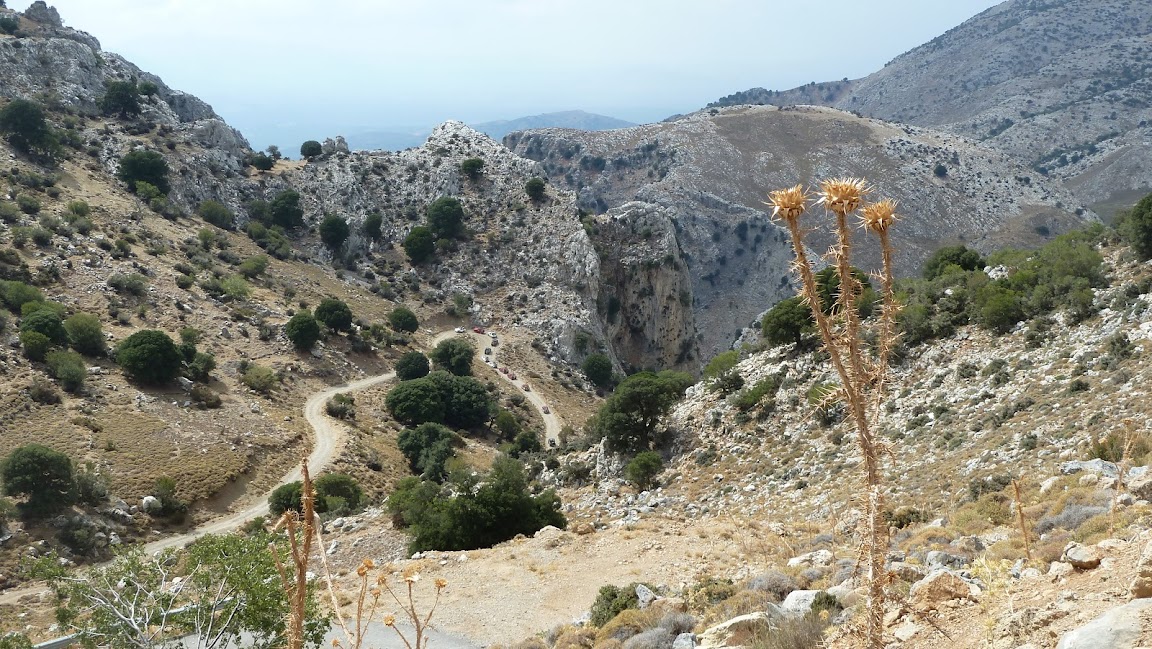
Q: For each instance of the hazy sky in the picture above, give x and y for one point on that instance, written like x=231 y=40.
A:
x=278 y=68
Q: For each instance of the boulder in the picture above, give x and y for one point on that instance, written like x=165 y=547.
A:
x=1141 y=586
x=941 y=586
x=798 y=602
x=584 y=529
x=737 y=632
x=1097 y=466
x=149 y=504
x=1080 y=556
x=644 y=595
x=937 y=559
x=1141 y=487
x=908 y=572
x=1118 y=628
x=684 y=641
x=667 y=605
x=40 y=12
x=1059 y=569
x=818 y=558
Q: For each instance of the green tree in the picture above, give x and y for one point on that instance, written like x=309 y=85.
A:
x=261 y=162
x=254 y=266
x=415 y=402
x=534 y=188
x=446 y=218
x=334 y=231
x=628 y=419
x=217 y=214
x=412 y=365
x=1135 y=226
x=285 y=210
x=23 y=123
x=454 y=355
x=310 y=149
x=598 y=369
x=149 y=356
x=475 y=514
x=121 y=98
x=371 y=227
x=40 y=474
x=787 y=322
x=467 y=403
x=428 y=447
x=144 y=166
x=507 y=425
x=1001 y=309
x=721 y=363
x=420 y=244
x=85 y=334
x=644 y=468
x=402 y=318
x=223 y=590
x=961 y=256
x=36 y=345
x=472 y=168
x=334 y=314
x=48 y=323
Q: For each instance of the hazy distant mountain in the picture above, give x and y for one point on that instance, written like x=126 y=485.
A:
x=1066 y=85
x=576 y=119
x=400 y=140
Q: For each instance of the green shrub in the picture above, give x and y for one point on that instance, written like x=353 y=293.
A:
x=286 y=211
x=303 y=330
x=132 y=284
x=534 y=188
x=310 y=149
x=454 y=355
x=259 y=378
x=85 y=334
x=254 y=267
x=149 y=356
x=446 y=218
x=43 y=475
x=611 y=601
x=643 y=469
x=334 y=314
x=14 y=295
x=22 y=122
x=371 y=227
x=403 y=319
x=412 y=365
x=121 y=98
x=598 y=369
x=217 y=214
x=1135 y=226
x=428 y=447
x=28 y=204
x=36 y=345
x=341 y=406
x=420 y=244
x=787 y=322
x=43 y=392
x=68 y=368
x=472 y=168
x=334 y=231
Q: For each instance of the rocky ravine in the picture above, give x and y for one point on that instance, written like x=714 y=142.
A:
x=709 y=174
x=1062 y=84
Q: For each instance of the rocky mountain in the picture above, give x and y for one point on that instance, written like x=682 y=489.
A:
x=576 y=119
x=710 y=173
x=399 y=140
x=1065 y=85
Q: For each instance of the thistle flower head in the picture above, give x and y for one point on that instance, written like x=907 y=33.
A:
x=787 y=204
x=842 y=195
x=441 y=584
x=879 y=216
x=389 y=620
x=411 y=577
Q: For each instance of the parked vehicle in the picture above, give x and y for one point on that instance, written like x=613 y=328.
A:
x=487 y=351
x=526 y=388
x=459 y=330
x=545 y=410
x=478 y=330
x=512 y=375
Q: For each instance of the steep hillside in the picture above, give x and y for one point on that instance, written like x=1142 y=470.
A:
x=1063 y=84
x=711 y=172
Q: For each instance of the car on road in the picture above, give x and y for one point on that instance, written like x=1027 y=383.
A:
x=491 y=334
x=503 y=370
x=459 y=330
x=487 y=351
x=527 y=388
x=512 y=375
x=545 y=410
x=495 y=341
x=478 y=330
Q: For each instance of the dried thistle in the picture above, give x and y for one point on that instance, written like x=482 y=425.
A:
x=843 y=341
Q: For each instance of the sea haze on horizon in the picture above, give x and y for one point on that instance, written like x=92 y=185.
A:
x=283 y=71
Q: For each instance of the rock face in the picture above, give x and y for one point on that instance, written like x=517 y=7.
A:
x=711 y=171
x=1119 y=628
x=40 y=12
x=1062 y=85
x=739 y=631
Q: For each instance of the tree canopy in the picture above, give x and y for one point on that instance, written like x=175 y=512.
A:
x=303 y=330
x=446 y=218
x=428 y=447
x=285 y=210
x=26 y=129
x=534 y=188
x=961 y=256
x=334 y=231
x=335 y=314
x=121 y=98
x=420 y=244
x=144 y=166
x=598 y=369
x=787 y=322
x=412 y=365
x=371 y=227
x=403 y=319
x=41 y=474
x=310 y=149
x=628 y=419
x=1135 y=227
x=454 y=355
x=150 y=356
x=443 y=398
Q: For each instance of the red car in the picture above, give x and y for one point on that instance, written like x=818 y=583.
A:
x=478 y=330
x=512 y=375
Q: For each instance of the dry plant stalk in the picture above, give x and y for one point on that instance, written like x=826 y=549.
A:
x=1023 y=522
x=368 y=603
x=1129 y=442
x=300 y=534
x=861 y=376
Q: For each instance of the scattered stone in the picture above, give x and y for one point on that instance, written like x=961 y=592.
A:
x=1096 y=466
x=1080 y=556
x=1047 y=485
x=1059 y=569
x=584 y=529
x=1118 y=628
x=684 y=641
x=938 y=559
x=150 y=504
x=941 y=586
x=1141 y=487
x=738 y=632
x=644 y=595
x=906 y=631
x=906 y=571
x=666 y=605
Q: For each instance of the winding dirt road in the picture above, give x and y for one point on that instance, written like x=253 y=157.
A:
x=328 y=440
